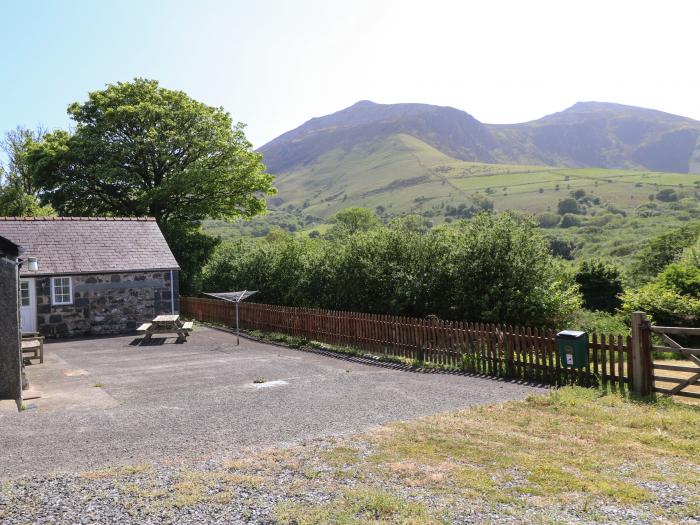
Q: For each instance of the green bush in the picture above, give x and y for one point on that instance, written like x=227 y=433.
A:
x=500 y=270
x=665 y=306
x=682 y=278
x=569 y=220
x=691 y=255
x=601 y=323
x=561 y=247
x=600 y=284
x=667 y=195
x=352 y=220
x=491 y=268
x=663 y=250
x=568 y=205
x=548 y=220
x=602 y=219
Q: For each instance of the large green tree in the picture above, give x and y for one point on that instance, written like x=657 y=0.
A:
x=352 y=220
x=139 y=149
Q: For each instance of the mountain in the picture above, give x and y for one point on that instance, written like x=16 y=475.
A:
x=588 y=134
x=418 y=158
x=450 y=130
x=604 y=135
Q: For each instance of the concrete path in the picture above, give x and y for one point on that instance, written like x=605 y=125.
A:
x=106 y=402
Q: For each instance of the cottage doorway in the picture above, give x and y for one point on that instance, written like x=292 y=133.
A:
x=27 y=305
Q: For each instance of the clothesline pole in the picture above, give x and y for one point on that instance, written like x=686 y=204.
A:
x=238 y=330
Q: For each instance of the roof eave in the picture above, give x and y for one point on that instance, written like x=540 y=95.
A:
x=97 y=272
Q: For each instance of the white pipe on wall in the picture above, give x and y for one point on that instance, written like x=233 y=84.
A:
x=172 y=293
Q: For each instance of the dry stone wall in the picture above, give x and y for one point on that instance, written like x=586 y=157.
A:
x=106 y=303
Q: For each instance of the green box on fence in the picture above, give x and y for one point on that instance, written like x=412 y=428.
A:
x=573 y=348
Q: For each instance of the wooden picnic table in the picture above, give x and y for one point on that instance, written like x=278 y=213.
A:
x=166 y=324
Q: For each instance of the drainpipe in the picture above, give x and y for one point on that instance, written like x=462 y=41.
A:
x=172 y=293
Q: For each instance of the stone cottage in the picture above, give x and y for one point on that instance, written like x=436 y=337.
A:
x=95 y=275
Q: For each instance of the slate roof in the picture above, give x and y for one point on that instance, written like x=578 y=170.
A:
x=73 y=245
x=7 y=247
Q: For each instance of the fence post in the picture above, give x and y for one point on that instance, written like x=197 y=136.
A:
x=641 y=373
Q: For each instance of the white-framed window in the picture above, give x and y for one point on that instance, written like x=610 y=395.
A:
x=61 y=290
x=25 y=299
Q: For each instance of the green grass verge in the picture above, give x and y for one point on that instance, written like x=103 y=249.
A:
x=549 y=459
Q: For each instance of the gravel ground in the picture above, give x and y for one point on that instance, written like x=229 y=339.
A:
x=199 y=400
x=254 y=489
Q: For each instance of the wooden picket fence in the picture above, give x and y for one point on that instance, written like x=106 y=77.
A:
x=490 y=349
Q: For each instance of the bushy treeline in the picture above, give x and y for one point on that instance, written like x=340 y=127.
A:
x=663 y=282
x=672 y=297
x=491 y=268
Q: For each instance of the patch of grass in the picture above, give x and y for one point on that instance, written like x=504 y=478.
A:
x=6 y=489
x=191 y=489
x=571 y=443
x=553 y=481
x=479 y=483
x=235 y=465
x=277 y=337
x=356 y=506
x=310 y=473
x=99 y=385
x=217 y=487
x=145 y=491
x=118 y=472
x=341 y=455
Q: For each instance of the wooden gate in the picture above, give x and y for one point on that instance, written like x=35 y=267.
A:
x=687 y=383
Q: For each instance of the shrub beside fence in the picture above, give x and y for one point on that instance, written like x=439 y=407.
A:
x=491 y=349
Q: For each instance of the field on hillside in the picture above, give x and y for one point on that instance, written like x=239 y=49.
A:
x=403 y=175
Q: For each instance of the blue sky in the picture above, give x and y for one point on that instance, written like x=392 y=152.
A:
x=275 y=64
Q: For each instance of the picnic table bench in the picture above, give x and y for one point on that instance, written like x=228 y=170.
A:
x=32 y=346
x=166 y=324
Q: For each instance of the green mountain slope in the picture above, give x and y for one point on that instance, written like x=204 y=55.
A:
x=402 y=174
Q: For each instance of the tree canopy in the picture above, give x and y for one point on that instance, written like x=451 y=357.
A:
x=140 y=149
x=352 y=220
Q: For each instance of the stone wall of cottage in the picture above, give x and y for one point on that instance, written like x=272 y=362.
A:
x=112 y=303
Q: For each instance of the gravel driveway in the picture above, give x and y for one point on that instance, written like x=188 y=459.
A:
x=106 y=402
